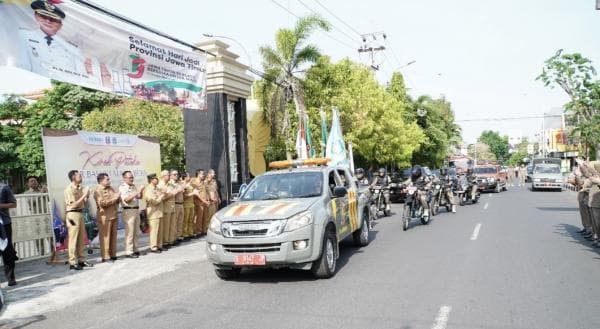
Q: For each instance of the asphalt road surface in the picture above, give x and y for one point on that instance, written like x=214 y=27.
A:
x=511 y=261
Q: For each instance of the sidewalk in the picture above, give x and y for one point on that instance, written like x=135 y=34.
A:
x=42 y=288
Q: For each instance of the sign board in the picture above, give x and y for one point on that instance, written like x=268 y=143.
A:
x=92 y=153
x=66 y=41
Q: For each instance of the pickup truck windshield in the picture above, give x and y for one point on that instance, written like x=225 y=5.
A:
x=547 y=170
x=485 y=170
x=285 y=186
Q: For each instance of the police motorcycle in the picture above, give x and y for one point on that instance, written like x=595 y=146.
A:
x=378 y=199
x=413 y=209
x=439 y=189
x=464 y=189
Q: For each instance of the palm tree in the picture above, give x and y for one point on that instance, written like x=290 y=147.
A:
x=282 y=64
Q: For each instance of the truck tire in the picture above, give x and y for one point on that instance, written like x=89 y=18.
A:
x=228 y=274
x=361 y=236
x=325 y=266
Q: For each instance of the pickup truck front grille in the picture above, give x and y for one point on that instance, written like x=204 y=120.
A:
x=248 y=229
x=548 y=180
x=244 y=233
x=250 y=248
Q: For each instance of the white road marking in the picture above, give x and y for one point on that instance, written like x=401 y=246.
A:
x=490 y=195
x=476 y=232
x=442 y=318
x=486 y=206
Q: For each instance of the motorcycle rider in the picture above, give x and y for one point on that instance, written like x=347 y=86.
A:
x=447 y=182
x=472 y=180
x=383 y=180
x=419 y=179
x=360 y=176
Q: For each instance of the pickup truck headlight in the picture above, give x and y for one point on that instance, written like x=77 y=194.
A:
x=298 y=221
x=215 y=225
x=537 y=180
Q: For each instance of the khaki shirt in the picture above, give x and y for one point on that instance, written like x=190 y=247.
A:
x=594 y=196
x=126 y=191
x=211 y=190
x=169 y=204
x=188 y=201
x=179 y=196
x=73 y=193
x=107 y=202
x=154 y=202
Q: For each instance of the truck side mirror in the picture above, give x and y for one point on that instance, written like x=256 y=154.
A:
x=340 y=191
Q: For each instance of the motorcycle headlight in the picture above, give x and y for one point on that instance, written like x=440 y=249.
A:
x=298 y=221
x=215 y=225
x=437 y=187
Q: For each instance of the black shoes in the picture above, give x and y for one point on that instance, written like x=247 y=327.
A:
x=75 y=267
x=12 y=283
x=85 y=264
x=132 y=256
x=113 y=258
x=137 y=253
x=582 y=231
x=157 y=250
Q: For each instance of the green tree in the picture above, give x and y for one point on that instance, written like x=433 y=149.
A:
x=481 y=152
x=62 y=107
x=371 y=118
x=144 y=118
x=498 y=144
x=282 y=65
x=12 y=113
x=576 y=76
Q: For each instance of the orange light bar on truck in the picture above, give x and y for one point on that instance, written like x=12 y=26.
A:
x=297 y=163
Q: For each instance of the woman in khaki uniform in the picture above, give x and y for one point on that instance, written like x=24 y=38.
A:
x=200 y=202
x=213 y=199
x=188 y=207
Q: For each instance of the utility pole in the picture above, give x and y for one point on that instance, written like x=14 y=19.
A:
x=373 y=43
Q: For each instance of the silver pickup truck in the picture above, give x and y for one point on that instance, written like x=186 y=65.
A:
x=293 y=217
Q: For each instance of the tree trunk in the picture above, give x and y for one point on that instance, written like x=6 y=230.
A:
x=298 y=95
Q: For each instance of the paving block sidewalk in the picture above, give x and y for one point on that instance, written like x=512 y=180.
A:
x=43 y=288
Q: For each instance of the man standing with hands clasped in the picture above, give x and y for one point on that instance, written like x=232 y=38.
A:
x=107 y=201
x=130 y=196
x=76 y=197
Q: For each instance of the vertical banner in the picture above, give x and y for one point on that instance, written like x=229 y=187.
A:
x=92 y=153
x=66 y=41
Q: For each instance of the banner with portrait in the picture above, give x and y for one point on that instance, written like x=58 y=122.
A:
x=67 y=41
x=92 y=153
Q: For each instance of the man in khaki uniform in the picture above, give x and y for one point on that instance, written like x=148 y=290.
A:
x=188 y=207
x=594 y=199
x=200 y=202
x=177 y=234
x=584 y=185
x=167 y=188
x=214 y=200
x=107 y=202
x=154 y=211
x=130 y=196
x=76 y=198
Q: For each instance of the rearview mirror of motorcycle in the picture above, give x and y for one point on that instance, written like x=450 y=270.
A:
x=340 y=191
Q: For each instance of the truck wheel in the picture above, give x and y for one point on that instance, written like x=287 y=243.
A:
x=324 y=267
x=361 y=236
x=228 y=274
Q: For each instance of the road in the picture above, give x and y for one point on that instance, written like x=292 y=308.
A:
x=511 y=261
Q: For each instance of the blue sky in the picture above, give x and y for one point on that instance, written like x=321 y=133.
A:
x=482 y=55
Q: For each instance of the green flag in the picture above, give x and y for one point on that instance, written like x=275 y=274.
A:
x=309 y=141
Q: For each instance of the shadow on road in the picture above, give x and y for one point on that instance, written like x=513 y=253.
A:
x=558 y=208
x=268 y=275
x=21 y=323
x=570 y=231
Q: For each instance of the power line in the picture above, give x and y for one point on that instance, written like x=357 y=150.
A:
x=326 y=34
x=511 y=118
x=334 y=26
x=339 y=19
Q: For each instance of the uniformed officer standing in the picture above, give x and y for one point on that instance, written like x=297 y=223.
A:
x=154 y=211
x=107 y=202
x=76 y=198
x=47 y=53
x=214 y=200
x=584 y=185
x=200 y=202
x=130 y=196
x=167 y=188
x=177 y=234
x=594 y=201
x=188 y=207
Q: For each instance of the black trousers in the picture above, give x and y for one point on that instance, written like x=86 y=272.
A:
x=9 y=255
